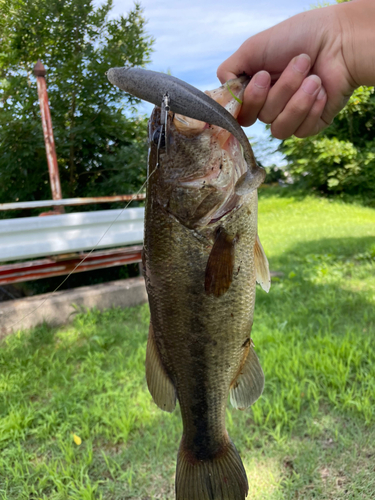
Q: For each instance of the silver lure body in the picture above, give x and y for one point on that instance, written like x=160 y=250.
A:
x=187 y=100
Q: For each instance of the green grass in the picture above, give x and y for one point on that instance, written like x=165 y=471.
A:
x=310 y=436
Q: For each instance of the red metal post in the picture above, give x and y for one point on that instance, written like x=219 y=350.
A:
x=40 y=73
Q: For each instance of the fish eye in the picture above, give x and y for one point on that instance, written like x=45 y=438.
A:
x=156 y=136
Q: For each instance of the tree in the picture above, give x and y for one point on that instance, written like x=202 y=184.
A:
x=101 y=145
x=340 y=159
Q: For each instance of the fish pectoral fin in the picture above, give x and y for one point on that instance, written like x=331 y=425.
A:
x=249 y=384
x=220 y=264
x=159 y=384
x=262 y=270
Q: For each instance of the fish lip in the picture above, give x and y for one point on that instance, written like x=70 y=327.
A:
x=244 y=79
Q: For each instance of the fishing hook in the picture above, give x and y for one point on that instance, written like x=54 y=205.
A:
x=164 y=125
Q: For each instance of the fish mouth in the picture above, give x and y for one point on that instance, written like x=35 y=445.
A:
x=202 y=162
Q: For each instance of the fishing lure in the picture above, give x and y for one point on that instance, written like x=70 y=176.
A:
x=161 y=89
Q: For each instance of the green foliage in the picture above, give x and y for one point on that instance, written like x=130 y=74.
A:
x=312 y=433
x=341 y=159
x=274 y=174
x=101 y=148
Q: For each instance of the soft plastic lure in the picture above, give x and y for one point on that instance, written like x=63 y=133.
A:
x=187 y=100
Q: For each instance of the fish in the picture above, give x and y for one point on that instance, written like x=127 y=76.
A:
x=153 y=87
x=201 y=258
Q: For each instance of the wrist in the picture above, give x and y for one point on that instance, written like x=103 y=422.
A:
x=358 y=39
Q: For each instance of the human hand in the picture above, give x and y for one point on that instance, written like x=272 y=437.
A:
x=301 y=78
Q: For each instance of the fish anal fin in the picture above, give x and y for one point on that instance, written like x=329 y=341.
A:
x=220 y=264
x=262 y=270
x=249 y=383
x=159 y=384
x=220 y=477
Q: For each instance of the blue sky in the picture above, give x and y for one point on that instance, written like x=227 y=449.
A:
x=193 y=37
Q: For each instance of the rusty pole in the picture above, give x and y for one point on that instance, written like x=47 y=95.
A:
x=40 y=73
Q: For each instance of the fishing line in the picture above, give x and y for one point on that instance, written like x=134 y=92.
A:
x=86 y=256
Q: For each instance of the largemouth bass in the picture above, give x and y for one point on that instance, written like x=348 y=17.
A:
x=201 y=259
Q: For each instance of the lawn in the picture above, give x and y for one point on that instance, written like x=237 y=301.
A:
x=77 y=422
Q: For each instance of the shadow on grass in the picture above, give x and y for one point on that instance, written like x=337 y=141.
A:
x=315 y=275
x=313 y=333
x=288 y=191
x=299 y=192
x=41 y=336
x=338 y=248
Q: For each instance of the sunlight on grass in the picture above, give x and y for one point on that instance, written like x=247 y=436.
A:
x=264 y=477
x=312 y=433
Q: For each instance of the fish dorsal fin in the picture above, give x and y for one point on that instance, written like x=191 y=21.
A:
x=220 y=264
x=262 y=270
x=249 y=384
x=159 y=384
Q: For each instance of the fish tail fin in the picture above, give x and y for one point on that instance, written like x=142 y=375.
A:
x=221 y=477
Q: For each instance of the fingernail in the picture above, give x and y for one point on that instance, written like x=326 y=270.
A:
x=262 y=79
x=322 y=94
x=311 y=84
x=302 y=63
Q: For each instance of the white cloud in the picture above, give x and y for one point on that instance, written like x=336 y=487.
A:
x=195 y=35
